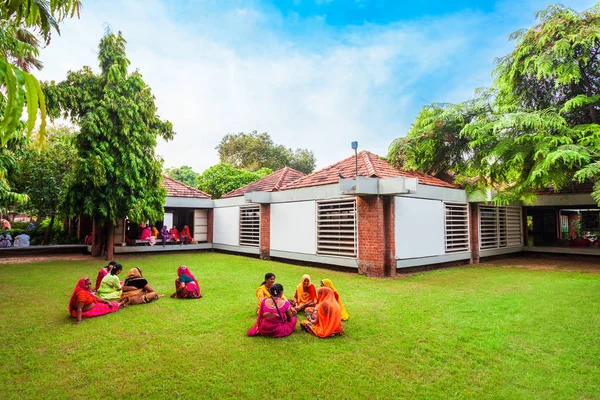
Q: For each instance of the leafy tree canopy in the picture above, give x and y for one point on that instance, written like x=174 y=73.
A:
x=116 y=172
x=536 y=126
x=223 y=178
x=184 y=174
x=253 y=151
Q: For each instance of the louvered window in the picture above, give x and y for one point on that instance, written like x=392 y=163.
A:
x=250 y=226
x=499 y=227
x=457 y=227
x=336 y=227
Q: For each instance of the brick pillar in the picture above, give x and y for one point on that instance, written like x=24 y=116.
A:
x=210 y=228
x=474 y=231
x=375 y=235
x=265 y=231
x=390 y=235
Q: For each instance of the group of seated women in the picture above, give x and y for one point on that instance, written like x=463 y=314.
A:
x=277 y=316
x=110 y=294
x=152 y=235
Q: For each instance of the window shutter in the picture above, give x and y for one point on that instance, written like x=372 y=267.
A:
x=250 y=226
x=456 y=227
x=336 y=227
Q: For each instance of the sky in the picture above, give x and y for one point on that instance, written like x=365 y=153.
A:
x=314 y=74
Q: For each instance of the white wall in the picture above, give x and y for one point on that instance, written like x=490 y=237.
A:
x=419 y=227
x=294 y=227
x=226 y=225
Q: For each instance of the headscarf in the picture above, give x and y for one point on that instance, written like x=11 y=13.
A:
x=174 y=232
x=154 y=232
x=185 y=276
x=146 y=233
x=186 y=232
x=86 y=295
x=302 y=296
x=134 y=274
x=328 y=313
x=327 y=283
x=164 y=231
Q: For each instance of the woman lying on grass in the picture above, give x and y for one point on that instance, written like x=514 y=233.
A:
x=274 y=316
x=84 y=304
x=110 y=287
x=186 y=285
x=137 y=290
x=326 y=320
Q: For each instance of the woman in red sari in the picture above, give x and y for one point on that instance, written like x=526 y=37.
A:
x=327 y=318
x=186 y=285
x=84 y=304
x=185 y=236
x=174 y=234
x=275 y=317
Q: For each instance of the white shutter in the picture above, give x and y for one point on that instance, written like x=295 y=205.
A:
x=250 y=226
x=336 y=227
x=456 y=227
x=499 y=227
x=200 y=225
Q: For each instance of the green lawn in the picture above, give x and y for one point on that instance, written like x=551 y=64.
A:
x=472 y=332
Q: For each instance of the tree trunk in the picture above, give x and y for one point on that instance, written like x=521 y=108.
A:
x=48 y=231
x=110 y=242
x=95 y=238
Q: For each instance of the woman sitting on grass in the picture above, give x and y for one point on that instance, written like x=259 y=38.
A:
x=186 y=285
x=84 y=304
x=262 y=292
x=326 y=320
x=102 y=273
x=136 y=288
x=110 y=287
x=329 y=284
x=275 y=317
x=306 y=294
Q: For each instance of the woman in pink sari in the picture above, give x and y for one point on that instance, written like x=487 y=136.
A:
x=186 y=285
x=275 y=317
x=84 y=304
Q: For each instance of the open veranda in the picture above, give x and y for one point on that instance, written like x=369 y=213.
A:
x=491 y=331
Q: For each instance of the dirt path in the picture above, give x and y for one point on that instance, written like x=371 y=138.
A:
x=550 y=262
x=57 y=257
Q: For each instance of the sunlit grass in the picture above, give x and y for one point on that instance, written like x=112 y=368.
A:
x=473 y=332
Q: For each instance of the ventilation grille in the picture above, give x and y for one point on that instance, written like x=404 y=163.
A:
x=336 y=227
x=250 y=226
x=456 y=227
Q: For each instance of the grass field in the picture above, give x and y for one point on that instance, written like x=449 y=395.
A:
x=472 y=332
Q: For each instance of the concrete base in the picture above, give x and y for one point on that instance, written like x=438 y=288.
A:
x=158 y=248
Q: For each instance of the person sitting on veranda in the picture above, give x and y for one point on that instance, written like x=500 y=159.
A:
x=137 y=289
x=21 y=240
x=174 y=234
x=326 y=320
x=155 y=232
x=84 y=304
x=110 y=287
x=329 y=284
x=147 y=236
x=275 y=317
x=102 y=273
x=164 y=235
x=5 y=239
x=306 y=294
x=186 y=285
x=185 y=236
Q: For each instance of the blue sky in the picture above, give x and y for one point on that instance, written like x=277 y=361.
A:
x=315 y=74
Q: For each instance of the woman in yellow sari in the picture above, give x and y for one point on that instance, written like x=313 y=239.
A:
x=306 y=294
x=262 y=292
x=329 y=284
x=326 y=320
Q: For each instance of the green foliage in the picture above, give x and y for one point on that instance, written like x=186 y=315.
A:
x=184 y=174
x=223 y=178
x=253 y=151
x=537 y=126
x=116 y=172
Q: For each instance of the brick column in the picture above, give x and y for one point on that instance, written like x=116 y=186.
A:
x=375 y=234
x=474 y=232
x=390 y=235
x=210 y=222
x=265 y=231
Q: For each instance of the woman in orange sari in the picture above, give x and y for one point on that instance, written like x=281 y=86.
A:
x=84 y=304
x=306 y=294
x=327 y=318
x=329 y=284
x=185 y=236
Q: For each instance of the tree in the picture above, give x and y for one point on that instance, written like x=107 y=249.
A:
x=42 y=171
x=184 y=174
x=223 y=178
x=253 y=151
x=540 y=125
x=116 y=172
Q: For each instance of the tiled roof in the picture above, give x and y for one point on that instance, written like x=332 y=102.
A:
x=178 y=189
x=369 y=165
x=270 y=183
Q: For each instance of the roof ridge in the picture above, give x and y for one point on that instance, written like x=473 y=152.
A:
x=281 y=178
x=366 y=156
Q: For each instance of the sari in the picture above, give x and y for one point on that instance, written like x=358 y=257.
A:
x=329 y=284
x=154 y=232
x=110 y=288
x=101 y=274
x=138 y=296
x=146 y=233
x=329 y=316
x=263 y=293
x=192 y=287
x=174 y=233
x=186 y=236
x=273 y=326
x=304 y=297
x=82 y=295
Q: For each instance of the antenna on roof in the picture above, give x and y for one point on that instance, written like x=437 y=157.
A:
x=355 y=148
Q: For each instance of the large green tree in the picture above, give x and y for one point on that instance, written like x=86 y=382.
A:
x=538 y=125
x=253 y=151
x=223 y=178
x=184 y=174
x=116 y=172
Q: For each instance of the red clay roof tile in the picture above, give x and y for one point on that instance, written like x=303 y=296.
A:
x=178 y=189
x=270 y=183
